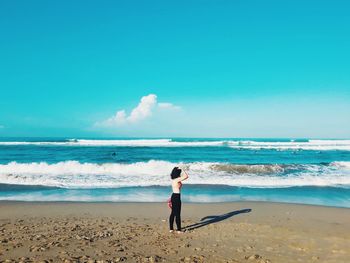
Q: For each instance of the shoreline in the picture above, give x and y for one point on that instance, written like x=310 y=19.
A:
x=65 y=202
x=138 y=232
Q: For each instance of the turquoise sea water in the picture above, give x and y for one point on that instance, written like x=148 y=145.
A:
x=77 y=169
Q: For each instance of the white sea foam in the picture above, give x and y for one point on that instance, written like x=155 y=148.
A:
x=134 y=196
x=158 y=195
x=72 y=174
x=318 y=145
x=342 y=165
x=128 y=143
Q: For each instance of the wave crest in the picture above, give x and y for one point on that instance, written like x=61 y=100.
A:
x=73 y=174
x=317 y=145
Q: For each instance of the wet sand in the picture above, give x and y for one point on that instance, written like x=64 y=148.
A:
x=138 y=232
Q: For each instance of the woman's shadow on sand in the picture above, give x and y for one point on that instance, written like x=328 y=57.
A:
x=214 y=219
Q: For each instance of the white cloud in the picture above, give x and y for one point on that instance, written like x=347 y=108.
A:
x=146 y=107
x=167 y=105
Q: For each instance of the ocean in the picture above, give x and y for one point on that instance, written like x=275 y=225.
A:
x=137 y=170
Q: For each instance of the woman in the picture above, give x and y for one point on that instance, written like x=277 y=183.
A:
x=177 y=175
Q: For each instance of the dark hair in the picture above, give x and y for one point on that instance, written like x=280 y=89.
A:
x=175 y=173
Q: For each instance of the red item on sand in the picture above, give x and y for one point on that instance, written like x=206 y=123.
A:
x=170 y=205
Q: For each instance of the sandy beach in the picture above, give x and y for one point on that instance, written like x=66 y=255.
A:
x=138 y=232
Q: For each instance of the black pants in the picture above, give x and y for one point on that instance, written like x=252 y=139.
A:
x=175 y=211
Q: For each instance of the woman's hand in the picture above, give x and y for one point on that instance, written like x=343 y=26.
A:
x=184 y=175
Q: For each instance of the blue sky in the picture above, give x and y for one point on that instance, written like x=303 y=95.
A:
x=223 y=68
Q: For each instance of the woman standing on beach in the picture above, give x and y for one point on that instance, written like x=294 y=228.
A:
x=177 y=175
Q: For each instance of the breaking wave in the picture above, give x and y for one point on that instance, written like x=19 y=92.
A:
x=315 y=145
x=127 y=143
x=73 y=174
x=319 y=145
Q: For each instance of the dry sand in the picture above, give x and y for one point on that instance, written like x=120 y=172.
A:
x=138 y=232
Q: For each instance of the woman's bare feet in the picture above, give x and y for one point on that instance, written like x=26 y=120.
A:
x=179 y=232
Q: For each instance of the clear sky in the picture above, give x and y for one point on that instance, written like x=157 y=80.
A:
x=205 y=68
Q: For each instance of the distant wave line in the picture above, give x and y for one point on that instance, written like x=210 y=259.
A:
x=318 y=145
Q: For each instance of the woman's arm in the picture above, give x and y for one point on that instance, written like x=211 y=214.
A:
x=183 y=176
